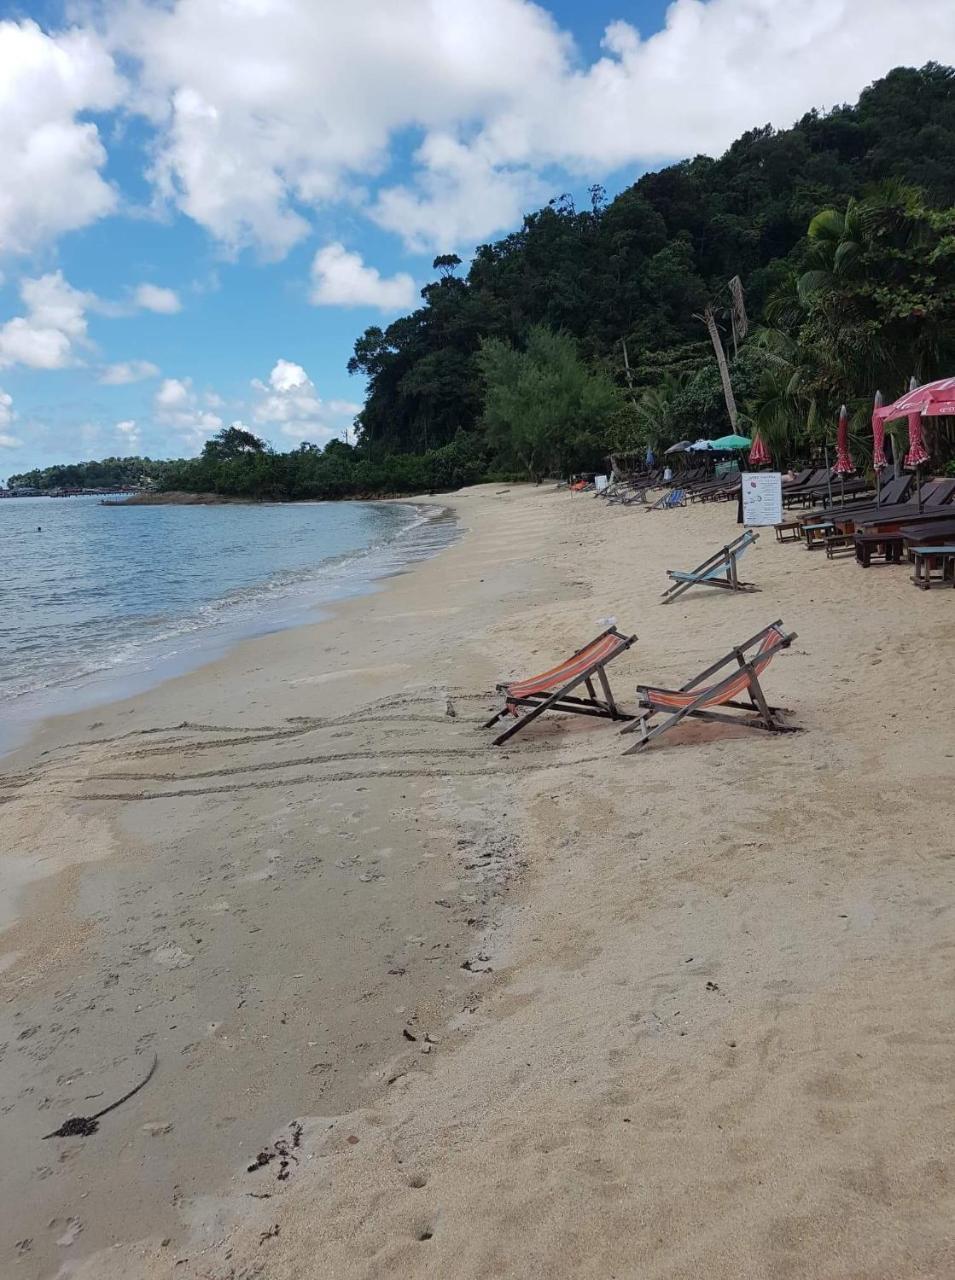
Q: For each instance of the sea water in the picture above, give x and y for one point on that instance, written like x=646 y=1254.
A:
x=97 y=600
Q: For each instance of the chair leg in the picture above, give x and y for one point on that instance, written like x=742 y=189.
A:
x=765 y=710
x=498 y=715
x=646 y=733
x=605 y=685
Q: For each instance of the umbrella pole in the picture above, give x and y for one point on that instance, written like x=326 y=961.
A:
x=828 y=473
x=918 y=485
x=842 y=489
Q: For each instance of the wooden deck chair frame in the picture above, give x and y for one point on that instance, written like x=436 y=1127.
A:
x=560 y=699
x=760 y=715
x=702 y=575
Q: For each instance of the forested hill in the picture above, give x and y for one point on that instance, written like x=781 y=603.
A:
x=643 y=266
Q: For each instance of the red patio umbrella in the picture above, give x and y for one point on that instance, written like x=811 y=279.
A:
x=933 y=400
x=759 y=454
x=844 y=464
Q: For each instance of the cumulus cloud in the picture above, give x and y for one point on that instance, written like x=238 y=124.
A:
x=297 y=113
x=53 y=326
x=290 y=401
x=152 y=297
x=341 y=278
x=51 y=158
x=7 y=416
x=127 y=371
x=129 y=431
x=177 y=404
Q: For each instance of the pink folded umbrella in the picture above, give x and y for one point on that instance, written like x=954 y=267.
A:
x=759 y=454
x=844 y=464
x=917 y=455
x=879 y=460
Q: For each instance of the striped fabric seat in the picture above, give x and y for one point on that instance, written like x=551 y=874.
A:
x=725 y=691
x=701 y=700
x=552 y=690
x=600 y=650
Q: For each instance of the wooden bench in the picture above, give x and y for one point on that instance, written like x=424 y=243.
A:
x=886 y=545
x=925 y=557
x=792 y=528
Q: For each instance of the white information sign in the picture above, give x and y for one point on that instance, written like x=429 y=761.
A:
x=762 y=497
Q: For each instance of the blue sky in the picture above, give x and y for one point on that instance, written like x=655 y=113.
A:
x=205 y=203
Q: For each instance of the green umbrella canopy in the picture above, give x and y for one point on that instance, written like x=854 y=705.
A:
x=732 y=442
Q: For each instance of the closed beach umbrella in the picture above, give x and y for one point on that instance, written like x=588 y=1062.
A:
x=844 y=464
x=879 y=460
x=759 y=454
x=917 y=455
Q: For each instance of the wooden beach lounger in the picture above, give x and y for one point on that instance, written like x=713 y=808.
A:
x=698 y=700
x=718 y=571
x=551 y=690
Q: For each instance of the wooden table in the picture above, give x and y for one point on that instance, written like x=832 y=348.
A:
x=887 y=545
x=817 y=533
x=923 y=558
x=791 y=527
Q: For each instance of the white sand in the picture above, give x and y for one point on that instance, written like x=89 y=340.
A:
x=716 y=1034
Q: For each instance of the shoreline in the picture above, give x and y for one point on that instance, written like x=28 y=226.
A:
x=147 y=669
x=700 y=981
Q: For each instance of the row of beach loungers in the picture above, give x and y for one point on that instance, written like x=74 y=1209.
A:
x=909 y=522
x=809 y=488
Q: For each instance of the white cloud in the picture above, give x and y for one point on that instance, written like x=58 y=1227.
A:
x=290 y=401
x=340 y=278
x=177 y=404
x=127 y=371
x=152 y=297
x=459 y=196
x=54 y=325
x=51 y=159
x=7 y=417
x=175 y=393
x=130 y=432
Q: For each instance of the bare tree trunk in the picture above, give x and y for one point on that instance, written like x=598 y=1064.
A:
x=628 y=374
x=714 y=333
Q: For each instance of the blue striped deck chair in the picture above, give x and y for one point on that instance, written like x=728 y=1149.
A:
x=675 y=498
x=719 y=571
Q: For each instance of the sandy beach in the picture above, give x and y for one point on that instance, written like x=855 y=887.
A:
x=424 y=1007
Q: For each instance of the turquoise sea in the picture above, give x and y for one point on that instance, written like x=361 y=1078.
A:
x=97 y=600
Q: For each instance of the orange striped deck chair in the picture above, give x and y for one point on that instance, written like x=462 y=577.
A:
x=552 y=690
x=698 y=700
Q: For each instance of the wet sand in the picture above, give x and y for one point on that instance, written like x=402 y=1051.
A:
x=705 y=1023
